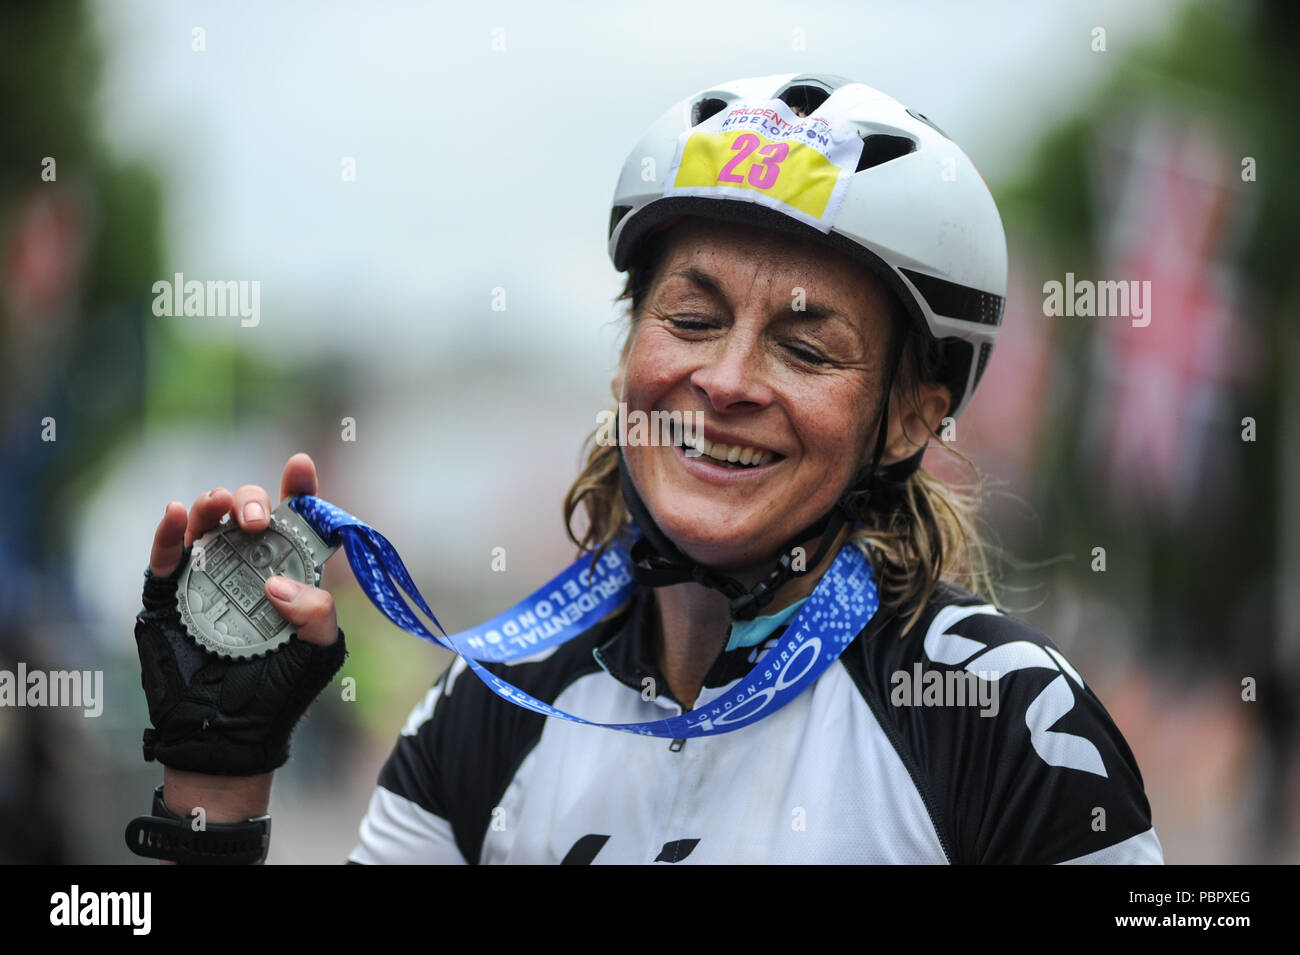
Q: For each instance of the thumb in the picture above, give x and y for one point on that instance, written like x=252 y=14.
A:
x=309 y=609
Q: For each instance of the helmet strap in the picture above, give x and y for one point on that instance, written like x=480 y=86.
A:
x=858 y=495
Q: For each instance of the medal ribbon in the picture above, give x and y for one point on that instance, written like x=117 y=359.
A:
x=842 y=604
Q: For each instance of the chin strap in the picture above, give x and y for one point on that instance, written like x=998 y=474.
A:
x=657 y=562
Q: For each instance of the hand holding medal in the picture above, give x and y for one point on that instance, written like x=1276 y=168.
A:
x=301 y=603
x=224 y=698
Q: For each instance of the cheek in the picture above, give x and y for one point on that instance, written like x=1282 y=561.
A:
x=656 y=363
x=831 y=419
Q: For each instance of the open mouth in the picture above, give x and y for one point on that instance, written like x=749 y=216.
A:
x=735 y=457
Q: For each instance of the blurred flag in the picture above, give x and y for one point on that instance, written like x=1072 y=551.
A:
x=1160 y=390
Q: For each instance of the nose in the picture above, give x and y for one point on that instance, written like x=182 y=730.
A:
x=733 y=379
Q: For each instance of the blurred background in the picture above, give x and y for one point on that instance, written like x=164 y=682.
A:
x=422 y=193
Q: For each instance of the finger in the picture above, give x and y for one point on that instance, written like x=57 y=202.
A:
x=253 y=508
x=299 y=476
x=309 y=609
x=207 y=513
x=168 y=540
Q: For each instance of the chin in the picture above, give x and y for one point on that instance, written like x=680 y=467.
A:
x=721 y=537
x=720 y=523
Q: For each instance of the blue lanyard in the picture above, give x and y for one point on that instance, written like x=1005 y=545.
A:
x=842 y=604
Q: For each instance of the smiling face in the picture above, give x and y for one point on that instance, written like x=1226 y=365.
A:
x=796 y=390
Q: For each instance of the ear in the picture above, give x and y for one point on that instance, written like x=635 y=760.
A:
x=913 y=419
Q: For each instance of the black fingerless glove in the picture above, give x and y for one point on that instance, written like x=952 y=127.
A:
x=219 y=716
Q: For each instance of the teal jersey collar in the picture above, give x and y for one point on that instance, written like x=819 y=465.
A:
x=750 y=633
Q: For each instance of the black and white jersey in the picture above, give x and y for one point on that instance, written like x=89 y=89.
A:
x=970 y=740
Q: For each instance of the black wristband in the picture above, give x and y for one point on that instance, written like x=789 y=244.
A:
x=165 y=835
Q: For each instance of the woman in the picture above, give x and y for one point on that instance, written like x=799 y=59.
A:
x=815 y=285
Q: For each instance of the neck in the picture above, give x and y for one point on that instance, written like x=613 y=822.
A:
x=692 y=622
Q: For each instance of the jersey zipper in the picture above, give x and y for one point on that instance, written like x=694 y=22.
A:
x=896 y=740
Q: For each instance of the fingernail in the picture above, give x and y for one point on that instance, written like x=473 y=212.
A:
x=253 y=511
x=282 y=587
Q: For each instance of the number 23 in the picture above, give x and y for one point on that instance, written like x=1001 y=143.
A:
x=762 y=175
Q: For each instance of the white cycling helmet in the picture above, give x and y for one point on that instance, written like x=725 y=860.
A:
x=820 y=156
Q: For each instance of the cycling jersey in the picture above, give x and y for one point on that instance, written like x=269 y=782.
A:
x=970 y=740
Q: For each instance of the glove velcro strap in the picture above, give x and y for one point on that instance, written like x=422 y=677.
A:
x=164 y=835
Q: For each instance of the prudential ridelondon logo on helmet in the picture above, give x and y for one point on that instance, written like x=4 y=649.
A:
x=762 y=152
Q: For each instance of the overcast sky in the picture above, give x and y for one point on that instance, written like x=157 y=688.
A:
x=479 y=169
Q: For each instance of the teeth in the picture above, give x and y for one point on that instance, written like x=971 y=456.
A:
x=734 y=453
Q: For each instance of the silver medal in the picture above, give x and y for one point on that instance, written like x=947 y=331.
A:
x=220 y=596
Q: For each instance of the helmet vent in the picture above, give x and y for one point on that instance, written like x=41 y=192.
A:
x=705 y=108
x=804 y=99
x=880 y=148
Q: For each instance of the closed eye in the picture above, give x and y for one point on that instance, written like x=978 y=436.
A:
x=690 y=325
x=805 y=355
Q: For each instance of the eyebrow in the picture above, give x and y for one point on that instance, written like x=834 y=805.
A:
x=810 y=311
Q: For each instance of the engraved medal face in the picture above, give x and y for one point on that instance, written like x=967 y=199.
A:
x=220 y=595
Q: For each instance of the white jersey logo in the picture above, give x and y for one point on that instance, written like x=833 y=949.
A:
x=1056 y=699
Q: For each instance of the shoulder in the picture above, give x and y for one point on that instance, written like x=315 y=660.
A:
x=958 y=630
x=1016 y=755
